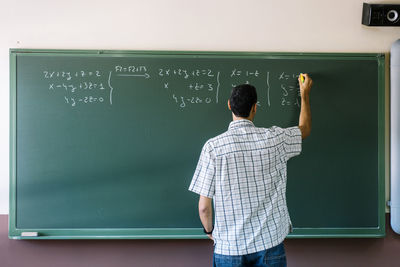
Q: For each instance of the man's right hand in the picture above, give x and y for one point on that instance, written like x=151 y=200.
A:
x=305 y=87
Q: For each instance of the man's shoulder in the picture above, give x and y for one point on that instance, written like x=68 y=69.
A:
x=217 y=139
x=228 y=133
x=280 y=130
x=225 y=136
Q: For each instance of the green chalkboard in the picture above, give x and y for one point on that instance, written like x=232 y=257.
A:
x=104 y=143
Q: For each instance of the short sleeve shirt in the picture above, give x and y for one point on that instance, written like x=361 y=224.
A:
x=244 y=170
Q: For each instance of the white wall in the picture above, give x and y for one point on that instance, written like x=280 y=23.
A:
x=230 y=25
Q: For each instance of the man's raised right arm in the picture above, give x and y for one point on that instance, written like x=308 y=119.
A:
x=305 y=110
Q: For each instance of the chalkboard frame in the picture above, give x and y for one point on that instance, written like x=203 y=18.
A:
x=196 y=233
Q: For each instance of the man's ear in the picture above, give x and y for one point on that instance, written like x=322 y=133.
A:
x=255 y=107
x=229 y=105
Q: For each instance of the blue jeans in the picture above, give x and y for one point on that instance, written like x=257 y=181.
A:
x=273 y=257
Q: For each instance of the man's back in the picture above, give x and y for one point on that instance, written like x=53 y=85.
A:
x=248 y=169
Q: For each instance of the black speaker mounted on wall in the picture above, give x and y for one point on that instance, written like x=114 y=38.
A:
x=381 y=15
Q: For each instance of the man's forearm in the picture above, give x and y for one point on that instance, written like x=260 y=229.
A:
x=206 y=220
x=305 y=116
x=205 y=213
x=305 y=83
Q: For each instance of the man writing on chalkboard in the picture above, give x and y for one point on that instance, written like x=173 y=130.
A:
x=244 y=171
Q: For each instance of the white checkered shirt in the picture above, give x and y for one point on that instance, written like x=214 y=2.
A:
x=244 y=171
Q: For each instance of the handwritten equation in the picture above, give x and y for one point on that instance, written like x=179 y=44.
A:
x=290 y=90
x=200 y=86
x=81 y=87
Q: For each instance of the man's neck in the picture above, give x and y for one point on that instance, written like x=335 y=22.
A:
x=234 y=118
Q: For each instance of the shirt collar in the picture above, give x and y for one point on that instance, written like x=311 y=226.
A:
x=240 y=123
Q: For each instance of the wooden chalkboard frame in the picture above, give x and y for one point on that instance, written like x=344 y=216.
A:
x=195 y=233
